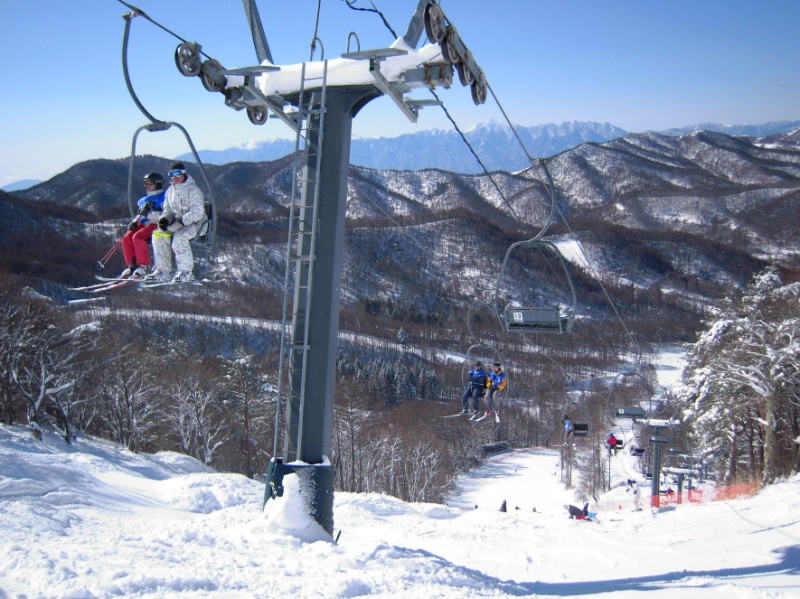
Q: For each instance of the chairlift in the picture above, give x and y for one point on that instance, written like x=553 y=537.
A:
x=627 y=408
x=487 y=355
x=527 y=318
x=207 y=234
x=579 y=429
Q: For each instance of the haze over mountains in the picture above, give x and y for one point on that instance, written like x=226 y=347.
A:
x=494 y=142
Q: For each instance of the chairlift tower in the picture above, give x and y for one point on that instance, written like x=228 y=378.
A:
x=319 y=101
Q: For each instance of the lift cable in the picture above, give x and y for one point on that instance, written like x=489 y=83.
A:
x=314 y=38
x=140 y=12
x=551 y=187
x=350 y=4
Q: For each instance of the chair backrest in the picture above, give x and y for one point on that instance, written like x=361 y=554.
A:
x=203 y=236
x=536 y=320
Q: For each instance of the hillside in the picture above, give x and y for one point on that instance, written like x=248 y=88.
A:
x=659 y=230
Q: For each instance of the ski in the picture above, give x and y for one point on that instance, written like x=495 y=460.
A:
x=113 y=285
x=88 y=287
x=459 y=415
x=150 y=285
x=485 y=415
x=104 y=283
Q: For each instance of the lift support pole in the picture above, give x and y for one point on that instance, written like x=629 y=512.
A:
x=310 y=416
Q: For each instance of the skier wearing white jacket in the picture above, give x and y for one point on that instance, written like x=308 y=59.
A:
x=183 y=219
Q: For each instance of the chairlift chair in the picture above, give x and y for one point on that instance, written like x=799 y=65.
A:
x=537 y=319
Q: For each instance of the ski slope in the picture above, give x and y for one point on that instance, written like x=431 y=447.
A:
x=92 y=520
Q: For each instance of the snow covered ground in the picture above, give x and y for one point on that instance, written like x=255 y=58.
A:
x=92 y=520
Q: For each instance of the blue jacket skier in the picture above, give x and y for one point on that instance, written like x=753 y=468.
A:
x=478 y=381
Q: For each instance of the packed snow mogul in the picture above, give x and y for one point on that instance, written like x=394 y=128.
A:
x=183 y=219
x=478 y=381
x=135 y=246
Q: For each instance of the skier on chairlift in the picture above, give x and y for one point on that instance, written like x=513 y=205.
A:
x=135 y=243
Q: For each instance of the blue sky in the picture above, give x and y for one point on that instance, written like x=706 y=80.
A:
x=640 y=65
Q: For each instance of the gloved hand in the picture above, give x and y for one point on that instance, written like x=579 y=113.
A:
x=163 y=223
x=144 y=210
x=149 y=205
x=133 y=226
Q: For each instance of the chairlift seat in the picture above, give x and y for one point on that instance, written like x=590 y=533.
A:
x=537 y=320
x=580 y=429
x=629 y=411
x=203 y=233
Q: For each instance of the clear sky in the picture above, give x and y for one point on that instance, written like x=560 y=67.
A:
x=637 y=64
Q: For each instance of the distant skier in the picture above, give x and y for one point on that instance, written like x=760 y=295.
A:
x=613 y=443
x=135 y=247
x=497 y=382
x=578 y=513
x=633 y=489
x=478 y=381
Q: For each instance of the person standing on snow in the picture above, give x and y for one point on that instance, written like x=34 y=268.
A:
x=183 y=219
x=135 y=248
x=478 y=381
x=497 y=382
x=633 y=489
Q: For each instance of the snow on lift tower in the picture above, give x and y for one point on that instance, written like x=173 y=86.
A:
x=394 y=71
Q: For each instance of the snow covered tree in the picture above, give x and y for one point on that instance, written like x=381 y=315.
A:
x=197 y=416
x=741 y=377
x=127 y=391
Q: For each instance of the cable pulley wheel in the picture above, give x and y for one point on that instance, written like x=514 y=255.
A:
x=479 y=89
x=257 y=114
x=206 y=77
x=187 y=60
x=465 y=76
x=435 y=23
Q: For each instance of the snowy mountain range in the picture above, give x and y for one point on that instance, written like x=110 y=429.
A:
x=494 y=142
x=669 y=226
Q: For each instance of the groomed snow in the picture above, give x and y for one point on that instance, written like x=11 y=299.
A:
x=91 y=520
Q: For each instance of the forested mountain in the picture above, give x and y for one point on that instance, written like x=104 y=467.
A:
x=657 y=231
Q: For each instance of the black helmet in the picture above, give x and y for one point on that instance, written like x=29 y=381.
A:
x=155 y=178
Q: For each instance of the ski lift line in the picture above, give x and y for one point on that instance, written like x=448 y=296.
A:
x=628 y=334
x=156 y=125
x=446 y=112
x=125 y=37
x=551 y=190
x=350 y=4
x=138 y=12
x=315 y=37
x=475 y=154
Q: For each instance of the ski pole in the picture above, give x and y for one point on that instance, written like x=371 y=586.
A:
x=111 y=252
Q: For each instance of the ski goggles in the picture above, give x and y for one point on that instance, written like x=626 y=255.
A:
x=178 y=172
x=149 y=182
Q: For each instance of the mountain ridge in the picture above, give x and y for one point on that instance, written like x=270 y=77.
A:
x=494 y=141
